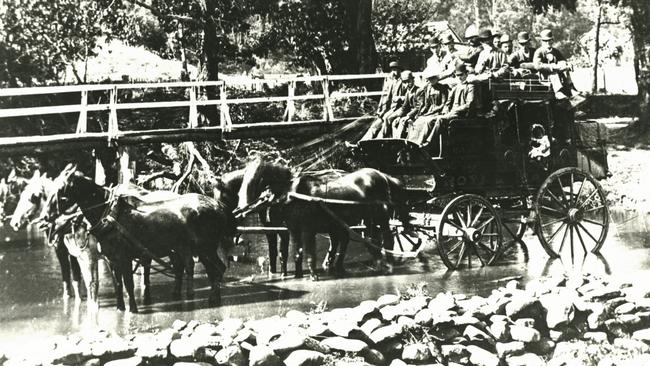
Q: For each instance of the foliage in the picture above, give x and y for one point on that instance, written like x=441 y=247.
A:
x=39 y=38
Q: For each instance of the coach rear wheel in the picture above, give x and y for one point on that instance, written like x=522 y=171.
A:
x=571 y=210
x=469 y=231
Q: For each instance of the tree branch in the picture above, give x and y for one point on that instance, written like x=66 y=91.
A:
x=157 y=13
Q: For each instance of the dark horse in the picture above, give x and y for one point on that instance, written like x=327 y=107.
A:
x=373 y=191
x=151 y=227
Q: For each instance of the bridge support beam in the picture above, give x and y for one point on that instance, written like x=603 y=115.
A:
x=126 y=165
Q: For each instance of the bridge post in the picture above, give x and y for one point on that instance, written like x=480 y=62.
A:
x=226 y=123
x=291 y=106
x=82 y=123
x=126 y=165
x=193 y=118
x=328 y=113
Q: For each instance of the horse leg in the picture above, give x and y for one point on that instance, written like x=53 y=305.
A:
x=387 y=240
x=146 y=282
x=297 y=245
x=344 y=239
x=189 y=272
x=127 y=276
x=64 y=261
x=76 y=276
x=309 y=242
x=330 y=257
x=272 y=239
x=93 y=286
x=284 y=252
x=177 y=263
x=117 y=283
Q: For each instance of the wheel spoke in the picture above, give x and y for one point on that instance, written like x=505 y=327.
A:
x=588 y=233
x=551 y=209
x=566 y=230
x=478 y=215
x=469 y=212
x=554 y=222
x=479 y=256
x=571 y=190
x=461 y=255
x=588 y=199
x=486 y=247
x=557 y=200
x=480 y=227
x=571 y=240
x=460 y=218
x=550 y=239
x=399 y=241
x=582 y=242
x=593 y=222
x=451 y=223
x=559 y=183
x=584 y=180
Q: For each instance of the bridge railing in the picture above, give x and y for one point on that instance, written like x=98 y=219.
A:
x=226 y=129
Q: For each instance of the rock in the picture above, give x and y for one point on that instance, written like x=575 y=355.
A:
x=500 y=330
x=113 y=348
x=131 y=361
x=178 y=325
x=406 y=322
x=481 y=357
x=289 y=341
x=231 y=356
x=471 y=305
x=559 y=308
x=528 y=359
x=615 y=328
x=388 y=299
x=541 y=347
x=389 y=312
x=602 y=293
x=184 y=348
x=524 y=306
x=317 y=329
x=524 y=334
x=629 y=321
x=625 y=308
x=205 y=330
x=509 y=349
x=370 y=325
x=477 y=336
x=386 y=333
x=365 y=309
x=91 y=362
x=455 y=353
x=341 y=328
x=465 y=320
x=230 y=327
x=445 y=334
x=444 y=319
x=263 y=356
x=411 y=306
x=598 y=337
x=642 y=335
x=398 y=362
x=416 y=352
x=314 y=345
x=596 y=319
x=442 y=302
x=305 y=358
x=424 y=317
x=296 y=317
x=344 y=344
x=525 y=322
x=631 y=344
x=555 y=335
x=154 y=346
x=374 y=357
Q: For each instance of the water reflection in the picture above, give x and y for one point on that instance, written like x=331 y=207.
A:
x=31 y=306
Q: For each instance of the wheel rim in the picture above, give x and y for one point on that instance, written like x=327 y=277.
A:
x=469 y=232
x=572 y=213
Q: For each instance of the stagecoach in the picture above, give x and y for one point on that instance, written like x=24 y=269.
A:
x=491 y=181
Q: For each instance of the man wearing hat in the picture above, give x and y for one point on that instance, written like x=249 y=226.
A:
x=451 y=56
x=460 y=104
x=391 y=93
x=470 y=54
x=496 y=41
x=550 y=62
x=505 y=44
x=492 y=62
x=391 y=118
x=524 y=55
x=435 y=97
x=434 y=62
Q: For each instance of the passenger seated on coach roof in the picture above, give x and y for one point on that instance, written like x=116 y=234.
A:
x=435 y=98
x=521 y=61
x=492 y=62
x=451 y=56
x=505 y=44
x=435 y=61
x=470 y=54
x=392 y=117
x=552 y=65
x=391 y=92
x=461 y=103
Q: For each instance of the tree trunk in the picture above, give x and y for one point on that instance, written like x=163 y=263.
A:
x=209 y=65
x=641 y=38
x=362 y=54
x=594 y=85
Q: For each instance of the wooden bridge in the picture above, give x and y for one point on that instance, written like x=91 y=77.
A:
x=83 y=138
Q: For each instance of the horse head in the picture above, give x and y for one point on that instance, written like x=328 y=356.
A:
x=31 y=200
x=260 y=177
x=57 y=200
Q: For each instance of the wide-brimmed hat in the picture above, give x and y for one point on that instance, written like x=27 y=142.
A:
x=395 y=65
x=460 y=67
x=448 y=39
x=435 y=41
x=485 y=34
x=429 y=73
x=546 y=35
x=406 y=75
x=505 y=39
x=523 y=37
x=471 y=32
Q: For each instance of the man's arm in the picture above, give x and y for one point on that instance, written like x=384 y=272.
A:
x=468 y=103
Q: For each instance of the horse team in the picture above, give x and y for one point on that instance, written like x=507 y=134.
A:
x=85 y=221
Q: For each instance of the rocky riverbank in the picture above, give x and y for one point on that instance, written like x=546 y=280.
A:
x=554 y=321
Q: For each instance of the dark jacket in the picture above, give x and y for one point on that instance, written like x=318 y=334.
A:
x=462 y=101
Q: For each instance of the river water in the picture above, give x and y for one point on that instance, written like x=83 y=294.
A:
x=32 y=308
